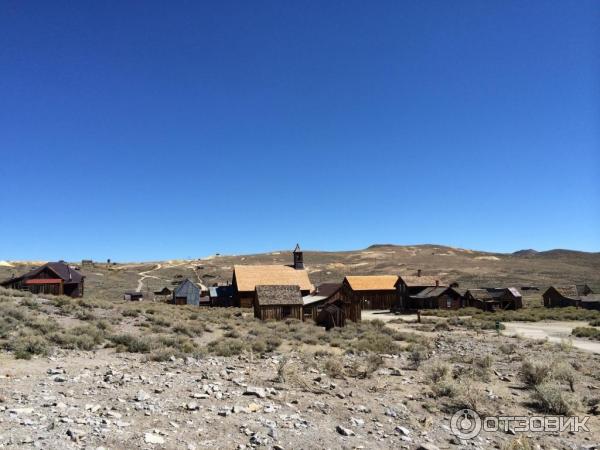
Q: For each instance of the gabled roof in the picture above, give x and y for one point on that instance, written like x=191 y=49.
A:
x=186 y=288
x=271 y=295
x=416 y=281
x=248 y=277
x=573 y=291
x=60 y=269
x=310 y=299
x=163 y=291
x=590 y=298
x=372 y=282
x=328 y=289
x=430 y=292
x=490 y=294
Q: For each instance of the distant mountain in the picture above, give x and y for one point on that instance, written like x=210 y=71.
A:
x=526 y=252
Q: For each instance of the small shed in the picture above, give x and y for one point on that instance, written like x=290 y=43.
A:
x=440 y=297
x=590 y=301
x=332 y=315
x=187 y=293
x=562 y=296
x=492 y=299
x=323 y=294
x=133 y=296
x=221 y=295
x=163 y=295
x=278 y=302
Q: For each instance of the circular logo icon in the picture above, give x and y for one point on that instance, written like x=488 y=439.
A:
x=465 y=424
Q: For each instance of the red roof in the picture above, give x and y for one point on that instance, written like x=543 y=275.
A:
x=44 y=281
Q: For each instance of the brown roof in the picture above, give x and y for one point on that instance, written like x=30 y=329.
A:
x=328 y=289
x=573 y=291
x=423 y=280
x=372 y=282
x=248 y=277
x=60 y=268
x=278 y=295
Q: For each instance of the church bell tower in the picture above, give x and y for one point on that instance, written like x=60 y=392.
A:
x=298 y=258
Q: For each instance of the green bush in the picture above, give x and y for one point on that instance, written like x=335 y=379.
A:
x=226 y=347
x=535 y=373
x=550 y=399
x=27 y=346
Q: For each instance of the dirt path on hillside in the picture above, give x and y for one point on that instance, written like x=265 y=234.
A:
x=144 y=275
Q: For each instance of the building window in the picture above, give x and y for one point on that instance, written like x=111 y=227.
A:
x=448 y=303
x=286 y=311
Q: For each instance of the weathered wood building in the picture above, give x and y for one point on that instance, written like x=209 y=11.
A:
x=333 y=314
x=221 y=295
x=590 y=301
x=278 y=302
x=370 y=291
x=56 y=278
x=440 y=297
x=562 y=296
x=246 y=278
x=408 y=285
x=324 y=293
x=493 y=299
x=133 y=296
x=187 y=293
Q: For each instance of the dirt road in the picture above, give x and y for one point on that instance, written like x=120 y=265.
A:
x=553 y=331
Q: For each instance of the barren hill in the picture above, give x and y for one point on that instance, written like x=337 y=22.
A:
x=470 y=268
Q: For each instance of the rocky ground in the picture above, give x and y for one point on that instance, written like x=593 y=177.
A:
x=286 y=399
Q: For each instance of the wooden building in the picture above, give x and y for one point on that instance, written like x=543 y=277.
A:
x=163 y=295
x=133 y=296
x=324 y=293
x=440 y=297
x=370 y=291
x=590 y=301
x=246 y=278
x=333 y=314
x=278 y=302
x=221 y=295
x=409 y=285
x=56 y=278
x=562 y=296
x=492 y=299
x=187 y=293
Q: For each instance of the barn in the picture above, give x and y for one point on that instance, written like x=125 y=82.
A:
x=492 y=299
x=56 y=278
x=562 y=296
x=409 y=285
x=370 y=291
x=278 y=302
x=440 y=297
x=187 y=293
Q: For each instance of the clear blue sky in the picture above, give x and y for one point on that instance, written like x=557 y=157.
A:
x=147 y=130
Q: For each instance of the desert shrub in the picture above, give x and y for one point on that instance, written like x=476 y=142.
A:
x=85 y=315
x=163 y=354
x=131 y=313
x=131 y=343
x=594 y=323
x=188 y=330
x=442 y=326
x=259 y=346
x=484 y=362
x=418 y=354
x=374 y=342
x=334 y=367
x=232 y=333
x=272 y=342
x=586 y=332
x=437 y=371
x=470 y=397
x=519 y=443
x=508 y=348
x=226 y=347
x=549 y=398
x=30 y=303
x=563 y=372
x=535 y=373
x=445 y=388
x=25 y=347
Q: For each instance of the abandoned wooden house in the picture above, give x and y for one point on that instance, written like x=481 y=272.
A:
x=440 y=297
x=590 y=301
x=408 y=285
x=278 y=302
x=246 y=278
x=133 y=296
x=370 y=291
x=314 y=302
x=332 y=314
x=493 y=299
x=221 y=295
x=187 y=293
x=56 y=278
x=562 y=296
x=163 y=295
